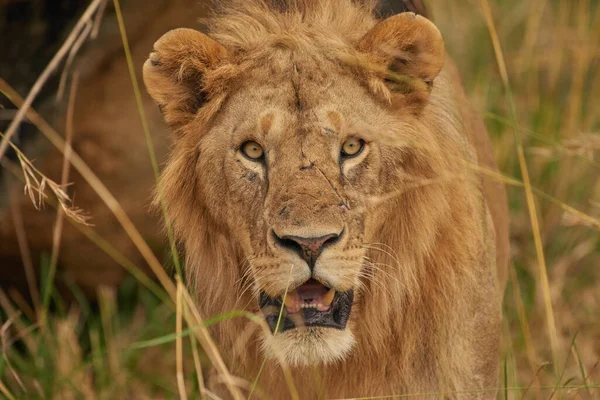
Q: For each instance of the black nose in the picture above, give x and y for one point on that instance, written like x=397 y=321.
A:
x=309 y=248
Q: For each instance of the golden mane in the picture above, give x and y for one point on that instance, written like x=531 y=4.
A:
x=243 y=26
x=430 y=308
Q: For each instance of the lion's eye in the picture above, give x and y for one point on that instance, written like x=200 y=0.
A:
x=352 y=147
x=252 y=150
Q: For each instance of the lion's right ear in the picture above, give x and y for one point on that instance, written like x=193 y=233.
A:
x=175 y=71
x=411 y=51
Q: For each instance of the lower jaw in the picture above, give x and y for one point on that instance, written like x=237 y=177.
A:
x=309 y=346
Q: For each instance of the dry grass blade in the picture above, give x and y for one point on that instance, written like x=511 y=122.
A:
x=17 y=298
x=6 y=392
x=58 y=226
x=197 y=366
x=17 y=218
x=106 y=298
x=577 y=215
x=531 y=31
x=521 y=313
x=527 y=185
x=209 y=346
x=51 y=67
x=100 y=189
x=537 y=388
x=13 y=315
x=579 y=148
x=98 y=20
x=584 y=374
x=23 y=333
x=74 y=50
x=377 y=200
x=464 y=393
x=146 y=129
x=179 y=342
x=68 y=360
x=4 y=342
x=36 y=183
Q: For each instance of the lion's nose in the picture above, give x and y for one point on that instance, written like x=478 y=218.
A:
x=309 y=248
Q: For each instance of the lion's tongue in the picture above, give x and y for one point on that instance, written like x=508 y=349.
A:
x=309 y=295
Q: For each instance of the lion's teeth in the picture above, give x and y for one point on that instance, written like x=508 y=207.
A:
x=328 y=298
x=311 y=305
x=290 y=300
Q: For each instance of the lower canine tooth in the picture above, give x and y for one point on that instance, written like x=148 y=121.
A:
x=289 y=301
x=328 y=298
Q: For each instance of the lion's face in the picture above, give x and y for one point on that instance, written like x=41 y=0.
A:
x=291 y=164
x=299 y=154
x=301 y=157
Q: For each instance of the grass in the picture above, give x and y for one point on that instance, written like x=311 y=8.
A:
x=531 y=69
x=513 y=61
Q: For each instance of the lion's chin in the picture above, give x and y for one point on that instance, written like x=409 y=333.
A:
x=309 y=346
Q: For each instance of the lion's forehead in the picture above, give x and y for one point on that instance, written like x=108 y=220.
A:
x=302 y=83
x=275 y=111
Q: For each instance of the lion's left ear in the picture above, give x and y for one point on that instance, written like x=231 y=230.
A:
x=411 y=50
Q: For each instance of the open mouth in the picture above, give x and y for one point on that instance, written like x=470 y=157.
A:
x=310 y=304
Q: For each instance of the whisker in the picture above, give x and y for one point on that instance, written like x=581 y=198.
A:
x=390 y=248
x=369 y=276
x=378 y=266
x=393 y=257
x=375 y=283
x=376 y=270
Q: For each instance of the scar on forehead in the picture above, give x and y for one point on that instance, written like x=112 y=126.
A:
x=336 y=120
x=266 y=122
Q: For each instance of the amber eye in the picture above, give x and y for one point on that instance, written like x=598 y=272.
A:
x=352 y=147
x=252 y=150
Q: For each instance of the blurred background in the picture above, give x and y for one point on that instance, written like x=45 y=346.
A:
x=81 y=313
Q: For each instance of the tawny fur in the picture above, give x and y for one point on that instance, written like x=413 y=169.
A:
x=425 y=245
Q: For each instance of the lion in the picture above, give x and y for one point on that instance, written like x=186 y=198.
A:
x=325 y=173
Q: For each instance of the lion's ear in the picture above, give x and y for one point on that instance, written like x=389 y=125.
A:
x=411 y=51
x=174 y=73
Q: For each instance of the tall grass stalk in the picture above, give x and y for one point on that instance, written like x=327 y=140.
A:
x=60 y=215
x=179 y=343
x=550 y=320
x=146 y=129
